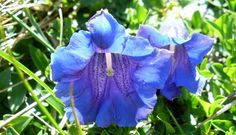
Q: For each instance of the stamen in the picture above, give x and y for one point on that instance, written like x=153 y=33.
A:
x=172 y=48
x=109 y=69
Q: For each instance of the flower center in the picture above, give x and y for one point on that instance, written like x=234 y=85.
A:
x=109 y=70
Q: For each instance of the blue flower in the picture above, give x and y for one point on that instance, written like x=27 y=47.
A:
x=188 y=53
x=115 y=75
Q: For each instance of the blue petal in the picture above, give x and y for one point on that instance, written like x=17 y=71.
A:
x=105 y=30
x=155 y=37
x=83 y=97
x=198 y=47
x=187 y=77
x=120 y=109
x=185 y=73
x=136 y=46
x=67 y=62
x=152 y=74
x=170 y=91
x=155 y=68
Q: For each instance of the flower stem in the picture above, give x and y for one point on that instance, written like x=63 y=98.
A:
x=72 y=102
x=176 y=122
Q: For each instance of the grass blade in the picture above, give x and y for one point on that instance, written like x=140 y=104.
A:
x=28 y=72
x=35 y=35
x=35 y=24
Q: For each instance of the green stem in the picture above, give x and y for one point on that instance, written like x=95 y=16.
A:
x=35 y=35
x=176 y=122
x=79 y=131
x=30 y=89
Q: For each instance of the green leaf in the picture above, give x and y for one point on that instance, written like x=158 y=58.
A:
x=215 y=29
x=168 y=126
x=104 y=132
x=4 y=82
x=203 y=64
x=11 y=131
x=73 y=130
x=206 y=127
x=206 y=73
x=56 y=105
x=5 y=78
x=141 y=13
x=17 y=94
x=28 y=72
x=218 y=69
x=232 y=4
x=39 y=59
x=232 y=131
x=216 y=105
x=222 y=125
x=215 y=89
x=231 y=72
x=197 y=19
x=29 y=88
x=20 y=123
x=205 y=105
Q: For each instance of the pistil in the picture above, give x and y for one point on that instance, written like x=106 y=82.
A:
x=109 y=69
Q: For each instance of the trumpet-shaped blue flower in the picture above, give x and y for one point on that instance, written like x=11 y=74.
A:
x=188 y=53
x=115 y=75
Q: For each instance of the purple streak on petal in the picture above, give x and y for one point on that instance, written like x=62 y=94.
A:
x=97 y=76
x=67 y=62
x=106 y=99
x=122 y=104
x=105 y=30
x=197 y=47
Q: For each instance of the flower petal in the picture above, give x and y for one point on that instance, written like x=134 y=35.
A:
x=123 y=110
x=67 y=62
x=136 y=46
x=105 y=30
x=185 y=75
x=197 y=47
x=152 y=74
x=83 y=97
x=170 y=91
x=155 y=37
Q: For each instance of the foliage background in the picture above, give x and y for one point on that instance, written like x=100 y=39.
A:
x=30 y=30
